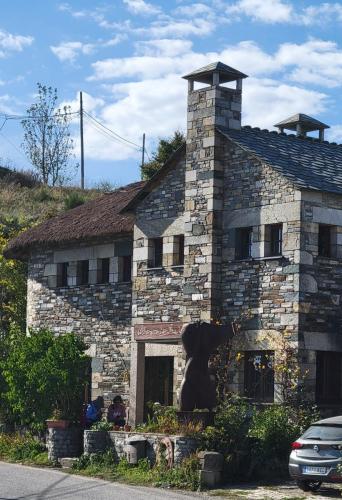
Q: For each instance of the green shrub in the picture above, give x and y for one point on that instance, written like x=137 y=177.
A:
x=102 y=425
x=273 y=429
x=73 y=199
x=43 y=194
x=185 y=475
x=21 y=448
x=43 y=372
x=248 y=437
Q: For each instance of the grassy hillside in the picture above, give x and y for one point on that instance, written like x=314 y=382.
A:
x=32 y=202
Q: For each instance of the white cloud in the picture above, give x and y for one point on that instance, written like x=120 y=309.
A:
x=322 y=13
x=156 y=103
x=163 y=47
x=171 y=27
x=334 y=134
x=268 y=11
x=194 y=9
x=69 y=51
x=141 y=7
x=13 y=43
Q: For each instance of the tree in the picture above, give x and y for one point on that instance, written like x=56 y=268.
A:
x=12 y=281
x=165 y=149
x=44 y=373
x=47 y=141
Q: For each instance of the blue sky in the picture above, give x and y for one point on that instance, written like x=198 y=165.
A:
x=127 y=56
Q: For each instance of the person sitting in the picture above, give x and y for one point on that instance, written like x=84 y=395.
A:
x=117 y=412
x=94 y=411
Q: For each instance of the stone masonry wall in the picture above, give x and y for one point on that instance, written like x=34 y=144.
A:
x=261 y=291
x=158 y=292
x=63 y=443
x=100 y=441
x=99 y=313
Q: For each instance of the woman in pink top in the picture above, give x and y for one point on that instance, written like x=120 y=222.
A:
x=117 y=412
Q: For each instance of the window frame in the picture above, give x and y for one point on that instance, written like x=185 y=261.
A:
x=126 y=270
x=328 y=377
x=275 y=241
x=104 y=270
x=243 y=248
x=325 y=248
x=179 y=253
x=259 y=384
x=83 y=272
x=62 y=274
x=157 y=252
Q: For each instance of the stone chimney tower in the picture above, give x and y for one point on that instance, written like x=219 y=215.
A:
x=209 y=108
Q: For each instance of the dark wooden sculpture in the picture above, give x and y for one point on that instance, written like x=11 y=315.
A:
x=199 y=341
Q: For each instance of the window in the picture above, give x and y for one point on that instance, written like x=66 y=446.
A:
x=179 y=250
x=104 y=271
x=62 y=274
x=157 y=252
x=324 y=240
x=126 y=271
x=259 y=375
x=83 y=272
x=243 y=238
x=273 y=240
x=328 y=377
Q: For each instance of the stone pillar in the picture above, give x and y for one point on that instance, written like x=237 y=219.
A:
x=208 y=109
x=137 y=379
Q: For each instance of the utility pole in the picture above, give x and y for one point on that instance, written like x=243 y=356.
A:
x=143 y=151
x=81 y=137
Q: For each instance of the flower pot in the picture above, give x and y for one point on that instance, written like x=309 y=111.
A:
x=57 y=424
x=127 y=427
x=116 y=427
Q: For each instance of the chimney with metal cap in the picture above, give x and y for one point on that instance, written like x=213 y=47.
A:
x=210 y=108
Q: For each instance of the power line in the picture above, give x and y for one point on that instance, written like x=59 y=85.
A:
x=25 y=117
x=104 y=133
x=112 y=131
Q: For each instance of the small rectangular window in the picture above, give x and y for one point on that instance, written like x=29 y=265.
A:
x=104 y=271
x=179 y=250
x=83 y=272
x=276 y=239
x=126 y=268
x=328 y=377
x=324 y=240
x=62 y=274
x=259 y=375
x=243 y=239
x=157 y=252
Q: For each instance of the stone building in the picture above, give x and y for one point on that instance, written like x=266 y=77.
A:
x=239 y=223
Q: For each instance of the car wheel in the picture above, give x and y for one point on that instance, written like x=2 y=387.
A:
x=309 y=485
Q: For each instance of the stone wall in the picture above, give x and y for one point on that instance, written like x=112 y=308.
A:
x=99 y=313
x=100 y=441
x=261 y=291
x=63 y=443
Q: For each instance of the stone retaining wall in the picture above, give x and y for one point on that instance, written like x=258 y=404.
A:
x=100 y=441
x=64 y=443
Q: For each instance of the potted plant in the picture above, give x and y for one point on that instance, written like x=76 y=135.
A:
x=57 y=420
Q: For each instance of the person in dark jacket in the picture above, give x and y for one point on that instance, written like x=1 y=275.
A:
x=117 y=412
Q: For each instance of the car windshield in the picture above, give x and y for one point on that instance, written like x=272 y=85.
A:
x=324 y=433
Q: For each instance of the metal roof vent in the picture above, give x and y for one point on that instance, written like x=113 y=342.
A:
x=302 y=124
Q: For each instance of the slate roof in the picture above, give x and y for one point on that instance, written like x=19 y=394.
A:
x=97 y=218
x=308 y=163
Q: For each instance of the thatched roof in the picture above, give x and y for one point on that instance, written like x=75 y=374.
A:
x=96 y=218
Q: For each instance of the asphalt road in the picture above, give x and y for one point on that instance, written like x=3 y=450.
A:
x=18 y=482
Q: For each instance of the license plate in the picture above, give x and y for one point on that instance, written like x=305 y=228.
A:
x=314 y=470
